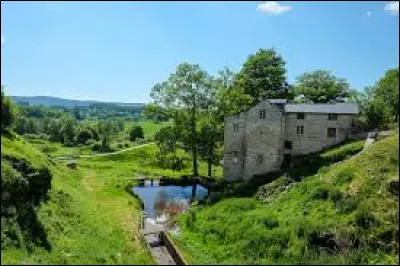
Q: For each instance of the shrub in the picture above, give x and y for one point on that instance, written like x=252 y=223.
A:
x=83 y=136
x=49 y=149
x=346 y=205
x=335 y=195
x=320 y=194
x=96 y=147
x=135 y=133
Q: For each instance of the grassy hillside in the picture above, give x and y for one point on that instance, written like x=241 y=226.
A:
x=141 y=161
x=343 y=214
x=79 y=219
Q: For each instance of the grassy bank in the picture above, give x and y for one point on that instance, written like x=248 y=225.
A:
x=342 y=214
x=84 y=219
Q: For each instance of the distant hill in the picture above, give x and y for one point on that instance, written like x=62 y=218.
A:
x=55 y=101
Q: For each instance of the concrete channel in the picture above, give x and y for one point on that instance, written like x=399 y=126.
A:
x=160 y=245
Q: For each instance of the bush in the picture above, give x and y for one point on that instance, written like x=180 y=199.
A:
x=96 y=147
x=49 y=149
x=335 y=195
x=83 y=136
x=320 y=194
x=346 y=205
x=135 y=133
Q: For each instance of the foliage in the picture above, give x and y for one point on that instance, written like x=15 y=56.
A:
x=263 y=76
x=387 y=90
x=136 y=133
x=7 y=111
x=83 y=136
x=184 y=94
x=320 y=86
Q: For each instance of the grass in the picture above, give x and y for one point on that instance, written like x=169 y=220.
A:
x=142 y=161
x=342 y=214
x=87 y=219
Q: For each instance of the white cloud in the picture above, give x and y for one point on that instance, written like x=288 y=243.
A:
x=3 y=40
x=369 y=13
x=272 y=7
x=392 y=8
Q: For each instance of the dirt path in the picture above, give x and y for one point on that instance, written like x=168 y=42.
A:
x=102 y=154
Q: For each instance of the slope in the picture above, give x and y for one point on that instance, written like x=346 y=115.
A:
x=346 y=213
x=51 y=215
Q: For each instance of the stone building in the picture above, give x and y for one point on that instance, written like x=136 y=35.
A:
x=264 y=138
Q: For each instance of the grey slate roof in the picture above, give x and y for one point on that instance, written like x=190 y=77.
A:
x=339 y=108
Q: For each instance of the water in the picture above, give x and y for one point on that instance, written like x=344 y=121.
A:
x=159 y=200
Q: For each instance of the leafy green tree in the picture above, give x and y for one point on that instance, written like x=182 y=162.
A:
x=83 y=136
x=263 y=76
x=20 y=125
x=32 y=126
x=320 y=86
x=77 y=113
x=387 y=89
x=8 y=112
x=210 y=137
x=55 y=130
x=377 y=113
x=136 y=133
x=187 y=91
x=68 y=130
x=228 y=99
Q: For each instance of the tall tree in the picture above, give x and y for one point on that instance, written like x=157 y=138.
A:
x=263 y=76
x=387 y=89
x=186 y=90
x=320 y=86
x=8 y=112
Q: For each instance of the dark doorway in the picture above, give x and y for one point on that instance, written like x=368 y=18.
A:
x=287 y=158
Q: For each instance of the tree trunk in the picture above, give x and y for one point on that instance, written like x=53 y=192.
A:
x=193 y=139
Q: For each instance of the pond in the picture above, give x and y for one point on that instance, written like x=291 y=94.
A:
x=161 y=200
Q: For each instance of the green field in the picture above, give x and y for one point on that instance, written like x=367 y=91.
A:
x=88 y=218
x=343 y=214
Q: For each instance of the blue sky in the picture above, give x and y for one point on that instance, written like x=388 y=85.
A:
x=116 y=51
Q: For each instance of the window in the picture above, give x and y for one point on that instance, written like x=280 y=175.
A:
x=259 y=159
x=332 y=117
x=331 y=132
x=300 y=116
x=260 y=134
x=288 y=145
x=237 y=116
x=300 y=130
x=262 y=114
x=236 y=127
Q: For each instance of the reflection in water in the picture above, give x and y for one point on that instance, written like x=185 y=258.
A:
x=161 y=201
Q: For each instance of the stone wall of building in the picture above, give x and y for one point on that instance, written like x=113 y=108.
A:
x=315 y=134
x=264 y=137
x=234 y=147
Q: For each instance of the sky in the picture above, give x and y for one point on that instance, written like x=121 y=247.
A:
x=117 y=51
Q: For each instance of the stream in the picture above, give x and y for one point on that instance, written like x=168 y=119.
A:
x=161 y=200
